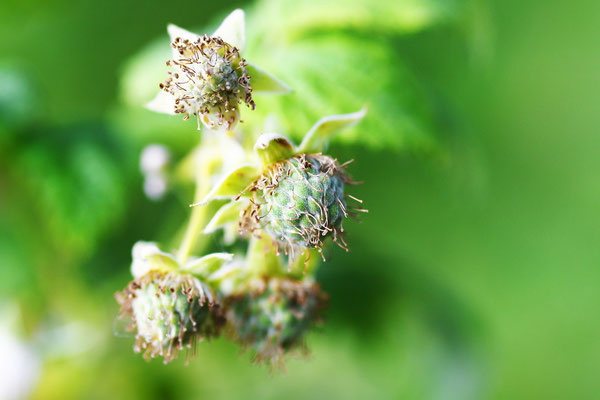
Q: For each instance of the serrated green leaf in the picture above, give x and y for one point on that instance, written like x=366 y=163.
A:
x=339 y=73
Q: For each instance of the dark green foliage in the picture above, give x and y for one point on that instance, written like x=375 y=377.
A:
x=74 y=181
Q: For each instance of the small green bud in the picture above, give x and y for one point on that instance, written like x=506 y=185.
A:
x=170 y=311
x=299 y=202
x=209 y=81
x=271 y=317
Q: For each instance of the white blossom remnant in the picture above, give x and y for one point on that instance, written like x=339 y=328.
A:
x=209 y=78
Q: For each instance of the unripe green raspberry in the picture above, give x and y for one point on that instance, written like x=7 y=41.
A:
x=170 y=312
x=299 y=202
x=209 y=81
x=271 y=316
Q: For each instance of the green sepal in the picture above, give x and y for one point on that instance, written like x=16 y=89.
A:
x=232 y=185
x=305 y=264
x=262 y=258
x=264 y=82
x=207 y=265
x=317 y=138
x=161 y=261
x=229 y=213
x=233 y=29
x=229 y=270
x=272 y=147
x=148 y=257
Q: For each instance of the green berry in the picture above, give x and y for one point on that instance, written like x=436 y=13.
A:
x=271 y=317
x=299 y=202
x=170 y=312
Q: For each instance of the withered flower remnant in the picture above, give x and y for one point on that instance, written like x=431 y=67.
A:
x=169 y=311
x=210 y=78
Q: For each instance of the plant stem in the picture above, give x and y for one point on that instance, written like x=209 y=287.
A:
x=195 y=225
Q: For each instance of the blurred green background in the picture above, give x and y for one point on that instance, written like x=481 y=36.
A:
x=475 y=274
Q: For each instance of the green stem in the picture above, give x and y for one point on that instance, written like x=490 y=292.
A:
x=198 y=217
x=195 y=225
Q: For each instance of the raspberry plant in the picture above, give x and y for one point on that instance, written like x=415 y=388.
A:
x=285 y=202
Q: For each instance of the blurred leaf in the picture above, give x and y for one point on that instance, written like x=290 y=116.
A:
x=18 y=99
x=294 y=17
x=339 y=73
x=17 y=271
x=335 y=71
x=144 y=71
x=76 y=185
